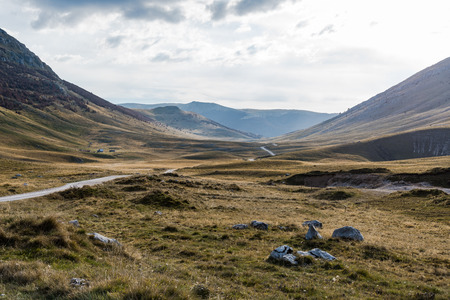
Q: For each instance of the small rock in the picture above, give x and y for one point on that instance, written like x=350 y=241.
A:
x=290 y=258
x=25 y=184
x=240 y=226
x=78 y=282
x=321 y=254
x=348 y=232
x=75 y=223
x=103 y=239
x=302 y=253
x=159 y=213
x=18 y=175
x=259 y=225
x=281 y=251
x=312 y=233
x=95 y=216
x=315 y=223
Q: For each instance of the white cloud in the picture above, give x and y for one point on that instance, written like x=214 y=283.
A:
x=319 y=55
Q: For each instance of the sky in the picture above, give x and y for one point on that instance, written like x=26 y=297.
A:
x=318 y=55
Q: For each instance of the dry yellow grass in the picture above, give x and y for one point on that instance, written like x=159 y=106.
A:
x=404 y=255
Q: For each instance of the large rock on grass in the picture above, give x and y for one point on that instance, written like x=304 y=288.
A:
x=259 y=225
x=348 y=232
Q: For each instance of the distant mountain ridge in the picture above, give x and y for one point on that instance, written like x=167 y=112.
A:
x=195 y=124
x=266 y=123
x=419 y=102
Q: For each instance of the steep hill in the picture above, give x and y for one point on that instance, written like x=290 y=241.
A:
x=421 y=101
x=194 y=123
x=39 y=111
x=267 y=123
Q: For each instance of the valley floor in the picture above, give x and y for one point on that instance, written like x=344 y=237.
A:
x=177 y=240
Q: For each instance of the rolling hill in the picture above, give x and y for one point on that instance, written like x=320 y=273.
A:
x=266 y=123
x=420 y=102
x=195 y=124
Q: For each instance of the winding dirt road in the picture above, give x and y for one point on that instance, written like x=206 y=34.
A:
x=46 y=192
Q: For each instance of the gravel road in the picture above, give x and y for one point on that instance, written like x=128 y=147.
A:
x=45 y=192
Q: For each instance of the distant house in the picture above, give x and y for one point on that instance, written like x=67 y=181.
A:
x=100 y=151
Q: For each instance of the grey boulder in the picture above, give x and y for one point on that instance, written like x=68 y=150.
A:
x=259 y=225
x=240 y=226
x=314 y=223
x=348 y=232
x=103 y=239
x=312 y=233
x=283 y=254
x=316 y=252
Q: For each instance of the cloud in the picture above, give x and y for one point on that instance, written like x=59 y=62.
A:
x=115 y=41
x=327 y=29
x=70 y=12
x=218 y=10
x=164 y=57
x=244 y=7
x=155 y=12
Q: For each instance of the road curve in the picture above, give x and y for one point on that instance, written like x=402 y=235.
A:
x=268 y=151
x=45 y=192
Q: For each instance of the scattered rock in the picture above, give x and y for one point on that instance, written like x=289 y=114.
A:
x=240 y=226
x=289 y=259
x=78 y=282
x=103 y=239
x=281 y=251
x=321 y=254
x=314 y=223
x=75 y=223
x=159 y=213
x=95 y=216
x=312 y=233
x=348 y=232
x=283 y=254
x=302 y=253
x=259 y=225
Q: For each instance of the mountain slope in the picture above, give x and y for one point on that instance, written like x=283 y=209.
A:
x=194 y=123
x=421 y=101
x=408 y=145
x=267 y=123
x=39 y=111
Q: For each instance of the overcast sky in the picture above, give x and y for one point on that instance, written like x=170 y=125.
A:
x=320 y=55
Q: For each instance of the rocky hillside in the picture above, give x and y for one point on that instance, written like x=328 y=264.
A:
x=195 y=124
x=421 y=101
